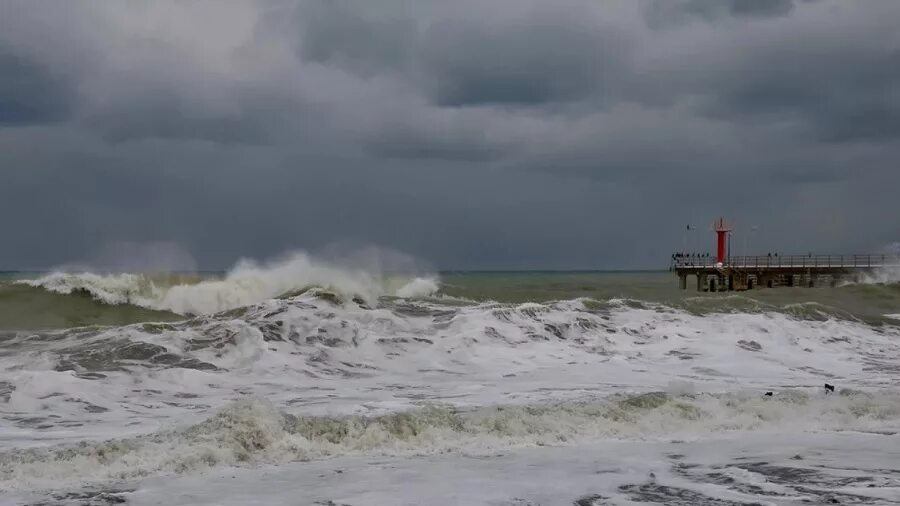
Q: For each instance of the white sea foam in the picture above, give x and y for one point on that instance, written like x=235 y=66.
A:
x=889 y=274
x=108 y=288
x=418 y=287
x=307 y=350
x=253 y=431
x=790 y=467
x=360 y=376
x=246 y=283
x=882 y=276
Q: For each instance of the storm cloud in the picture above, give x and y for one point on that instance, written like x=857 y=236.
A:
x=507 y=134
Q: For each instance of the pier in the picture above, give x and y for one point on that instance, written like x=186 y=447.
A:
x=722 y=272
x=749 y=272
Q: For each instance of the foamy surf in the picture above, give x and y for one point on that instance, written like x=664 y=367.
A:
x=321 y=354
x=319 y=375
x=253 y=432
x=790 y=467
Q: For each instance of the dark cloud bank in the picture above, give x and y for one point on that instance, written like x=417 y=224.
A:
x=505 y=134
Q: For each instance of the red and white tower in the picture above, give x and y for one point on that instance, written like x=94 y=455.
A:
x=722 y=228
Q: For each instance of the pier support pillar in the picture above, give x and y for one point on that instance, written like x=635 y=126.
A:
x=682 y=281
x=761 y=281
x=701 y=282
x=740 y=282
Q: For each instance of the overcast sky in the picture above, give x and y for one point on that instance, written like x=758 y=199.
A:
x=502 y=134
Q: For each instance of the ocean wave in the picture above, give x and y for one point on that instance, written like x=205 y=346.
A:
x=26 y=308
x=407 y=351
x=246 y=283
x=322 y=334
x=253 y=431
x=113 y=289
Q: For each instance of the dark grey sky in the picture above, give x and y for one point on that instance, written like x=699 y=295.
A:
x=502 y=134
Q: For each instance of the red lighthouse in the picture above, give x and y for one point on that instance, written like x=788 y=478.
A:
x=722 y=228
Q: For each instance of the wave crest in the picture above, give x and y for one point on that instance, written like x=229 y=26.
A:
x=248 y=282
x=254 y=431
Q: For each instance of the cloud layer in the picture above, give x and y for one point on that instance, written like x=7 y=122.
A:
x=513 y=134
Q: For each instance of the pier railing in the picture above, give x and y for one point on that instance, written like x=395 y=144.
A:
x=785 y=261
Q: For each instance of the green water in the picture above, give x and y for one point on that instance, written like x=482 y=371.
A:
x=27 y=308
x=538 y=286
x=869 y=302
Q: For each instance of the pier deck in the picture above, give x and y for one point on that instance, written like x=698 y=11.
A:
x=748 y=272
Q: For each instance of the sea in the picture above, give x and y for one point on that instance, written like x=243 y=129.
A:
x=301 y=382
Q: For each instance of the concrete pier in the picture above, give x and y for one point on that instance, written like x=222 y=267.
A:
x=752 y=272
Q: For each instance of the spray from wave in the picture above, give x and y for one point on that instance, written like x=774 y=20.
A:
x=887 y=275
x=881 y=276
x=248 y=282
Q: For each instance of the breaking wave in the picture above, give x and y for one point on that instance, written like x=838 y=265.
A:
x=320 y=373
x=887 y=275
x=404 y=351
x=253 y=431
x=881 y=276
x=246 y=283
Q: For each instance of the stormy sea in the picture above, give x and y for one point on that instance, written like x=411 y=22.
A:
x=301 y=382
